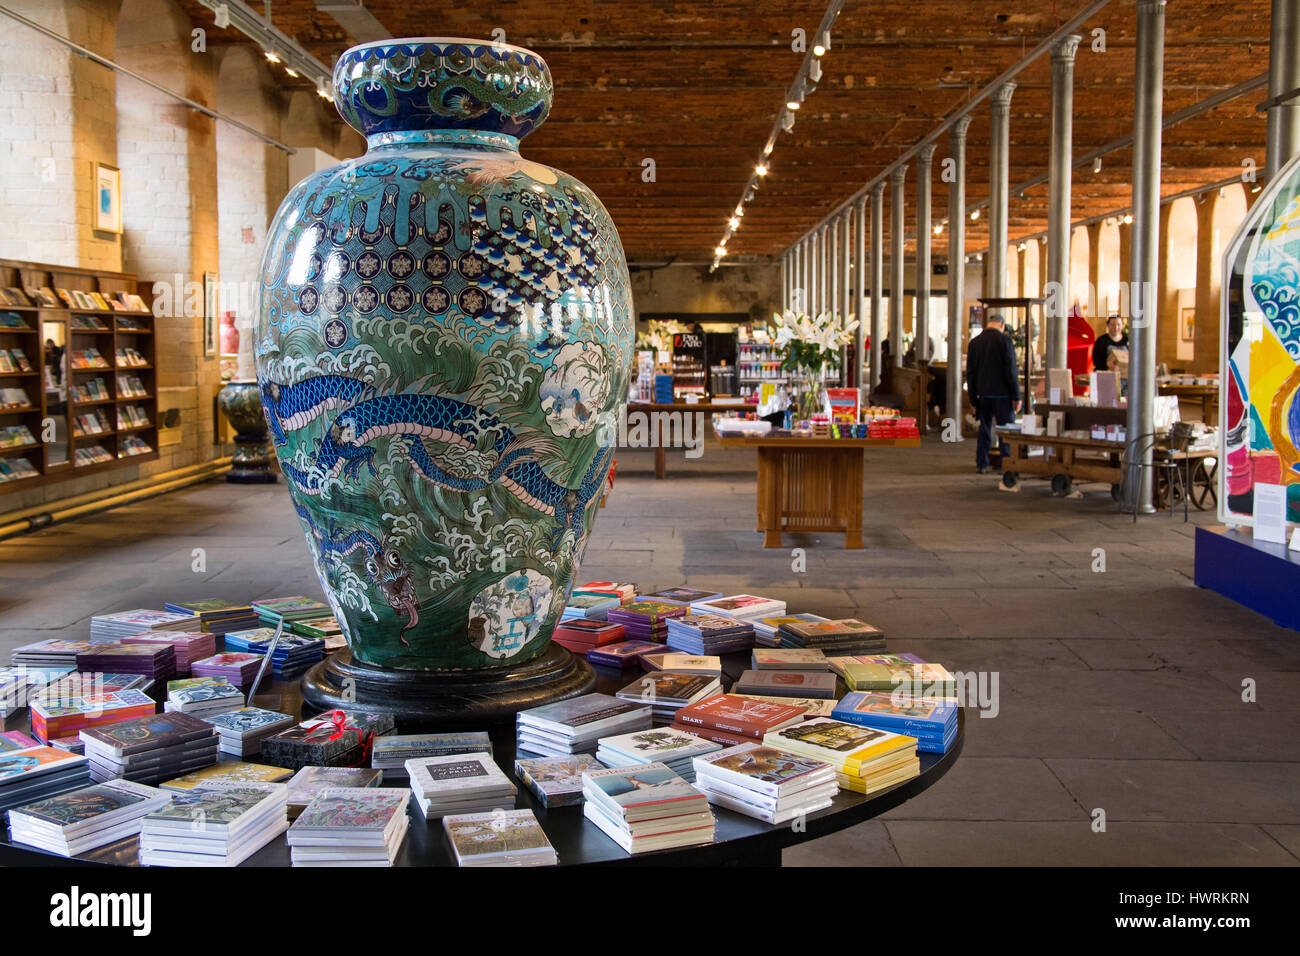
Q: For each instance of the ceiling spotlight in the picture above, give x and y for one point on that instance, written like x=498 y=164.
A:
x=819 y=49
x=733 y=222
x=1256 y=188
x=767 y=149
x=975 y=215
x=1096 y=165
x=740 y=211
x=1128 y=219
x=761 y=169
x=793 y=105
x=815 y=71
x=979 y=257
x=271 y=56
x=787 y=120
x=1022 y=246
x=721 y=250
x=291 y=71
x=938 y=230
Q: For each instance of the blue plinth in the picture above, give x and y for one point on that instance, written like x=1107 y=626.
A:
x=1263 y=576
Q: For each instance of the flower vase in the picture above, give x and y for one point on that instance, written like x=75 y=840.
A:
x=812 y=399
x=444 y=338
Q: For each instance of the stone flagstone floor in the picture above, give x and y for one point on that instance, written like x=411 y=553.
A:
x=1119 y=691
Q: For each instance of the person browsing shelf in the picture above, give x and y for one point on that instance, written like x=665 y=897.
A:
x=1113 y=338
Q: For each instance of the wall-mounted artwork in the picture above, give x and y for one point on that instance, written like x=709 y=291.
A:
x=1187 y=323
x=107 y=214
x=1260 y=381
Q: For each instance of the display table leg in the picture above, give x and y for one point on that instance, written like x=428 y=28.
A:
x=774 y=506
x=661 y=453
x=851 y=497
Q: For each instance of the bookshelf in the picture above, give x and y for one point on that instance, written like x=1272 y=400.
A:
x=91 y=377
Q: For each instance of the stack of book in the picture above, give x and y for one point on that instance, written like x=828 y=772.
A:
x=580 y=635
x=54 y=652
x=788 y=659
x=904 y=674
x=391 y=752
x=667 y=692
x=293 y=654
x=204 y=700
x=16 y=740
x=646 y=620
x=709 y=634
x=615 y=589
x=932 y=721
x=190 y=646
x=216 y=616
x=55 y=717
x=765 y=628
x=509 y=838
x=157 y=662
x=729 y=719
x=321 y=746
x=459 y=783
x=833 y=638
x=17 y=686
x=213 y=826
x=327 y=629
x=865 y=759
x=765 y=783
x=238 y=667
x=350 y=826
x=35 y=773
x=709 y=664
x=623 y=654
x=84 y=819
x=228 y=773
x=310 y=781
x=576 y=725
x=244 y=729
x=588 y=607
x=675 y=749
x=82 y=683
x=742 y=607
x=682 y=595
x=793 y=683
x=271 y=611
x=555 y=781
x=114 y=627
x=150 y=749
x=646 y=807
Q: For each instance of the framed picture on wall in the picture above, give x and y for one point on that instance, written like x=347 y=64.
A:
x=211 y=307
x=107 y=192
x=1187 y=323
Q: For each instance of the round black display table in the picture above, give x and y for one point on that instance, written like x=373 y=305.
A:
x=738 y=840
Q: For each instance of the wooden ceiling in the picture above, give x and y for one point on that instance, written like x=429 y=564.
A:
x=696 y=86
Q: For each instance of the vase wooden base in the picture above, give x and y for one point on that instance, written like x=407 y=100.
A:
x=447 y=700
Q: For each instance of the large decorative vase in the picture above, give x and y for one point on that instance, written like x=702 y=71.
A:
x=444 y=340
x=251 y=464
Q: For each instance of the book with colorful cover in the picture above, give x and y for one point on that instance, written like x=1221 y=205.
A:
x=813 y=707
x=772 y=683
x=229 y=773
x=930 y=721
x=247 y=721
x=743 y=606
x=16 y=740
x=21 y=765
x=789 y=658
x=739 y=715
x=764 y=769
x=659 y=688
x=642 y=792
x=94 y=807
x=501 y=838
x=213 y=808
x=63 y=716
x=683 y=595
x=623 y=653
x=867 y=672
x=848 y=747
x=310 y=781
x=147 y=733
x=661 y=744
x=351 y=810
x=646 y=612
x=555 y=781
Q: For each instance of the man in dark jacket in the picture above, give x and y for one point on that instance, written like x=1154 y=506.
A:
x=992 y=382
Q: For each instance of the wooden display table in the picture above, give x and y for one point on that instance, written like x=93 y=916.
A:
x=811 y=485
x=1102 y=462
x=1207 y=396
x=650 y=408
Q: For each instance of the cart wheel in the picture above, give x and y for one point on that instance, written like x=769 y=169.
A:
x=1203 y=493
x=1061 y=485
x=1010 y=479
x=1117 y=492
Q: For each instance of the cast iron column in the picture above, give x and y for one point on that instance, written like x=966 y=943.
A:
x=924 y=161
x=1283 y=138
x=956 y=267
x=1145 y=252
x=995 y=268
x=833 y=268
x=860 y=291
x=896 y=267
x=846 y=284
x=877 y=276
x=1059 y=176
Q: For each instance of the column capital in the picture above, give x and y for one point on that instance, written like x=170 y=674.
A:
x=926 y=155
x=1063 y=53
x=957 y=132
x=878 y=190
x=861 y=204
x=1002 y=97
x=898 y=175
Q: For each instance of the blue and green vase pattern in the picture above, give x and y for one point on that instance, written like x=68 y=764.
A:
x=444 y=341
